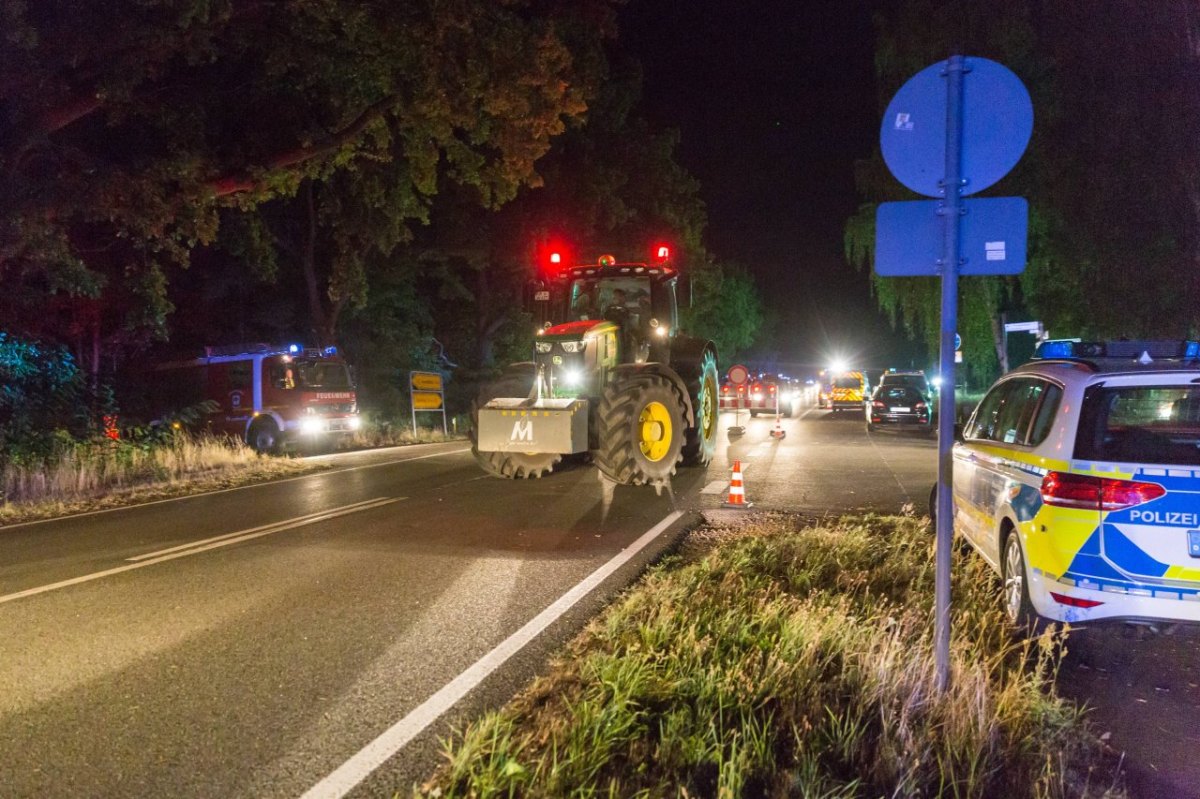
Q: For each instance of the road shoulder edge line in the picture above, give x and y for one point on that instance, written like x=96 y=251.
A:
x=346 y=777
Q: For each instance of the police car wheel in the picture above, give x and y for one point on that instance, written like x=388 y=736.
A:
x=1017 y=606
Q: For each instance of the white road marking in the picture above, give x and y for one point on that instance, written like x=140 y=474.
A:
x=715 y=487
x=274 y=527
x=243 y=536
x=6 y=527
x=344 y=779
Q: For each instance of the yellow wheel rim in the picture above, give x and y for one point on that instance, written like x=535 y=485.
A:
x=708 y=408
x=654 y=431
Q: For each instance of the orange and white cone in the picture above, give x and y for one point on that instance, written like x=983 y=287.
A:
x=737 y=491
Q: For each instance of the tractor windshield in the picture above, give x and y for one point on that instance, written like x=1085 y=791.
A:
x=614 y=298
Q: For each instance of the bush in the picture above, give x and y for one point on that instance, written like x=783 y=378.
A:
x=45 y=400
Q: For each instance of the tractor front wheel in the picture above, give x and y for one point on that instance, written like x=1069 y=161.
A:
x=640 y=430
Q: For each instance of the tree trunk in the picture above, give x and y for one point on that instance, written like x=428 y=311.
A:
x=308 y=265
x=998 y=338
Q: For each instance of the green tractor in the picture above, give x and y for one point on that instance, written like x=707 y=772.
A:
x=613 y=379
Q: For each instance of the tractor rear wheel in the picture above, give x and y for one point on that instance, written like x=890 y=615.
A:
x=640 y=430
x=700 y=440
x=516 y=381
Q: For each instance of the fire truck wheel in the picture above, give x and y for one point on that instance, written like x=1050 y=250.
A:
x=639 y=429
x=700 y=440
x=264 y=437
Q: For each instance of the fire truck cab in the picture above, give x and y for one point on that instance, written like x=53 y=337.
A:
x=270 y=397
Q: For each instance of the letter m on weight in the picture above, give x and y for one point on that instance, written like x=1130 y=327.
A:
x=522 y=431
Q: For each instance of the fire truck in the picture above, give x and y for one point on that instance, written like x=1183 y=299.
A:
x=270 y=397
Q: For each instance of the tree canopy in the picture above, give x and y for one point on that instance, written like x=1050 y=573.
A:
x=128 y=125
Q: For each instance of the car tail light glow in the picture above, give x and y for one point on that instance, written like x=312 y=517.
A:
x=878 y=404
x=1074 y=601
x=920 y=406
x=1096 y=493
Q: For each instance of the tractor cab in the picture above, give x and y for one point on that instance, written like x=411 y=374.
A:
x=597 y=316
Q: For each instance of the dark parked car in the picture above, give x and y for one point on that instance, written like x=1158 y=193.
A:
x=898 y=405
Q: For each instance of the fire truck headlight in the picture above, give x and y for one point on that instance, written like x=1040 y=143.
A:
x=354 y=423
x=312 y=425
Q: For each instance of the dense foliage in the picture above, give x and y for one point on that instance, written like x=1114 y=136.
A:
x=1112 y=172
x=42 y=391
x=373 y=173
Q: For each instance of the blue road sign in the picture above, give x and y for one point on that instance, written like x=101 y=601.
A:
x=909 y=237
x=997 y=121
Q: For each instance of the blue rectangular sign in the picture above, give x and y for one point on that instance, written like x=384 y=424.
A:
x=908 y=237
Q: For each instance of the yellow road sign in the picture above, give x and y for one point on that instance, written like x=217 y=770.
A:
x=426 y=381
x=426 y=400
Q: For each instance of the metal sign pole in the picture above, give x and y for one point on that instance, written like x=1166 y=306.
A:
x=952 y=218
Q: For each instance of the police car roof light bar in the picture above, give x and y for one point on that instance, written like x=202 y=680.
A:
x=1068 y=349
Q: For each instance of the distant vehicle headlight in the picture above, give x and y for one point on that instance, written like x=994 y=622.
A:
x=312 y=425
x=544 y=346
x=758 y=395
x=572 y=346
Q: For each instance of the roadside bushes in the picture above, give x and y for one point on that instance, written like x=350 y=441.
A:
x=45 y=400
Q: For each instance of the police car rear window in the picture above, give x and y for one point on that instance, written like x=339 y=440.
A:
x=1140 y=424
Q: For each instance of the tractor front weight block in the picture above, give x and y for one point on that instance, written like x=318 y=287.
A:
x=510 y=424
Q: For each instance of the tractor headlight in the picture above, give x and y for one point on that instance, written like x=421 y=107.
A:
x=572 y=377
x=544 y=346
x=572 y=346
x=312 y=425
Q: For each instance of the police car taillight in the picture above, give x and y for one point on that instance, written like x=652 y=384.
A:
x=1086 y=492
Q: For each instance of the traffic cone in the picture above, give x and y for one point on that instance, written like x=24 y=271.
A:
x=737 y=492
x=778 y=432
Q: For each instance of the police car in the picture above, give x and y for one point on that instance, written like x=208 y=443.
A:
x=1078 y=479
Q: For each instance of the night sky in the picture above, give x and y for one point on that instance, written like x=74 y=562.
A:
x=775 y=101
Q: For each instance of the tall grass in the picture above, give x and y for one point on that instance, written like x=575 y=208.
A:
x=377 y=432
x=790 y=662
x=83 y=470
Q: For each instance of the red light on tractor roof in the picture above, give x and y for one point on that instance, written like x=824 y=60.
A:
x=556 y=258
x=661 y=253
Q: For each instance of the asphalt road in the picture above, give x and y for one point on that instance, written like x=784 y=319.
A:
x=252 y=642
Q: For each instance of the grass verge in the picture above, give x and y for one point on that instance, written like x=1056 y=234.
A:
x=107 y=474
x=790 y=661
